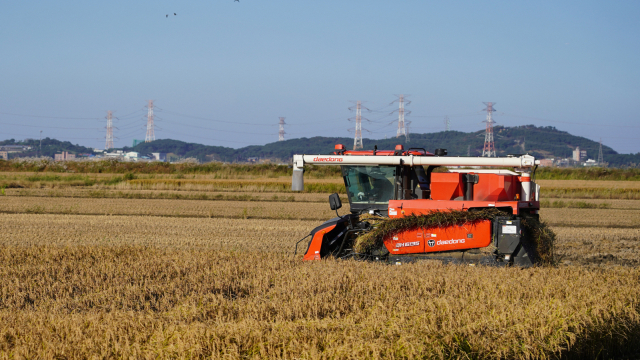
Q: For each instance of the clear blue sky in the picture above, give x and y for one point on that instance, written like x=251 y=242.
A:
x=570 y=64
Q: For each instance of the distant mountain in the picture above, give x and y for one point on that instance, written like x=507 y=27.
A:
x=50 y=147
x=543 y=142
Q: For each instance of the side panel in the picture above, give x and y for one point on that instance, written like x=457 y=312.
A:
x=409 y=242
x=446 y=186
x=494 y=187
x=469 y=236
x=313 y=252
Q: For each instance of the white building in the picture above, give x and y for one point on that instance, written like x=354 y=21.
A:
x=131 y=156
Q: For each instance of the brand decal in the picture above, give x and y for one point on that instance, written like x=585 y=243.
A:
x=433 y=243
x=329 y=159
x=408 y=244
x=450 y=242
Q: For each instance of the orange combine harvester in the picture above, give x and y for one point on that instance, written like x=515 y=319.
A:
x=398 y=183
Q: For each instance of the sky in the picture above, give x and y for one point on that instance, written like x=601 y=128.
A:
x=222 y=72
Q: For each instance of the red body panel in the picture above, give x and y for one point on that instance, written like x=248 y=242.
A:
x=446 y=186
x=316 y=244
x=494 y=187
x=468 y=236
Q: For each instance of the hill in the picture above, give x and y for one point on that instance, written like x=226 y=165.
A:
x=543 y=142
x=50 y=147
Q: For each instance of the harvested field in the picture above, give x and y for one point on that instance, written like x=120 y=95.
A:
x=175 y=208
x=584 y=184
x=153 y=295
x=607 y=218
x=173 y=194
x=179 y=233
x=204 y=268
x=229 y=185
x=598 y=246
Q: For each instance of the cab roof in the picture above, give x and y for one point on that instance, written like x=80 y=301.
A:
x=399 y=151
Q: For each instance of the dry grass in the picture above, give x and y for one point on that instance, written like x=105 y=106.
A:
x=162 y=207
x=176 y=233
x=598 y=246
x=263 y=185
x=613 y=218
x=130 y=301
x=173 y=194
x=583 y=184
x=155 y=283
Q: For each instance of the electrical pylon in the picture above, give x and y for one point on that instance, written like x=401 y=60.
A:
x=109 y=143
x=489 y=149
x=446 y=123
x=281 y=132
x=357 y=140
x=401 y=114
x=151 y=136
x=600 y=157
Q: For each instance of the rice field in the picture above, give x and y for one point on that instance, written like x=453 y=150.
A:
x=207 y=271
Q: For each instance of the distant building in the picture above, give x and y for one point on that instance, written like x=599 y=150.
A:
x=131 y=156
x=253 y=159
x=4 y=155
x=590 y=162
x=14 y=148
x=64 y=156
x=546 y=162
x=159 y=156
x=136 y=142
x=579 y=155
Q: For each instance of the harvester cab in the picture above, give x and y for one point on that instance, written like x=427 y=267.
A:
x=402 y=184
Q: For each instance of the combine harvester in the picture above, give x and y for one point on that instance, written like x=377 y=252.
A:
x=387 y=185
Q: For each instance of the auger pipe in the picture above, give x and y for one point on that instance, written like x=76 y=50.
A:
x=524 y=161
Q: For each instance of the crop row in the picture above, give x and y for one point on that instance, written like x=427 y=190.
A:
x=163 y=207
x=171 y=194
x=176 y=233
x=580 y=245
x=148 y=302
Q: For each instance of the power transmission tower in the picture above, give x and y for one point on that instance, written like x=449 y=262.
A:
x=401 y=114
x=600 y=157
x=109 y=144
x=489 y=149
x=446 y=123
x=407 y=132
x=281 y=132
x=151 y=135
x=357 y=140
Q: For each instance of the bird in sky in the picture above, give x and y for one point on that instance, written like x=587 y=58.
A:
x=236 y=0
x=167 y=15
x=175 y=14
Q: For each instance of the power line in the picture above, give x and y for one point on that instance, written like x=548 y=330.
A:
x=214 y=120
x=49 y=127
x=51 y=117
